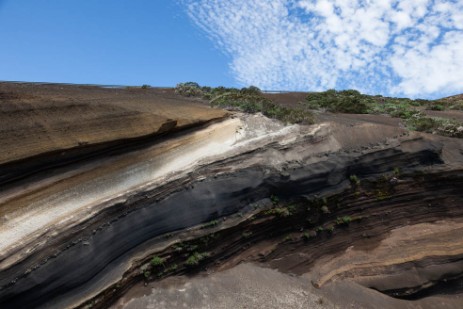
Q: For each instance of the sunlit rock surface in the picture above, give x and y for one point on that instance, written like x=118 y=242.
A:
x=96 y=182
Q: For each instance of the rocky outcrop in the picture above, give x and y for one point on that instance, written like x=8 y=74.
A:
x=296 y=198
x=43 y=127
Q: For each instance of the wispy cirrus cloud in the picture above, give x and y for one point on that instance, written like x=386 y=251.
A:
x=412 y=48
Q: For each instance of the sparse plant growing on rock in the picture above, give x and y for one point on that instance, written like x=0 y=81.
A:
x=282 y=212
x=306 y=236
x=196 y=258
x=346 y=101
x=157 y=261
x=254 y=103
x=345 y=220
x=354 y=180
x=146 y=274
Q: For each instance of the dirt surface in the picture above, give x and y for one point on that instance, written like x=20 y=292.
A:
x=245 y=286
x=291 y=99
x=454 y=115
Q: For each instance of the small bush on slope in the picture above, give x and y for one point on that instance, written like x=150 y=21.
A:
x=254 y=103
x=436 y=125
x=347 y=101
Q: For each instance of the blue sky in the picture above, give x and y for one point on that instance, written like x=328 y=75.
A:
x=106 y=42
x=391 y=47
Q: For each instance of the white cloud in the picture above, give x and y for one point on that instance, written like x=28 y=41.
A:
x=378 y=46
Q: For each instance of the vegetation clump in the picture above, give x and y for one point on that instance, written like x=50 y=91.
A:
x=345 y=220
x=452 y=103
x=192 y=89
x=436 y=125
x=248 y=100
x=196 y=258
x=307 y=236
x=251 y=100
x=146 y=274
x=254 y=103
x=346 y=101
x=189 y=89
x=354 y=180
x=157 y=261
x=282 y=212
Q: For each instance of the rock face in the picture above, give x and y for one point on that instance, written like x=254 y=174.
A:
x=141 y=185
x=52 y=124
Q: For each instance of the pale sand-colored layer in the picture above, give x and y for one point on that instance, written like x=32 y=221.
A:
x=30 y=214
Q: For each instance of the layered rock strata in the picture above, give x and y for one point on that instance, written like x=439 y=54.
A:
x=306 y=200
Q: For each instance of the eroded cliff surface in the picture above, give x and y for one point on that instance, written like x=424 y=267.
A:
x=351 y=205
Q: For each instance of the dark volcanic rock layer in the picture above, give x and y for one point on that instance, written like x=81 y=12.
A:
x=247 y=188
x=64 y=274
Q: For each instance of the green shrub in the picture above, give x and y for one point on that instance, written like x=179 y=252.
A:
x=196 y=258
x=282 y=212
x=254 y=103
x=452 y=103
x=252 y=90
x=403 y=112
x=436 y=107
x=345 y=220
x=422 y=124
x=354 y=180
x=441 y=126
x=398 y=108
x=346 y=101
x=145 y=86
x=189 y=89
x=157 y=261
x=249 y=103
x=350 y=105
